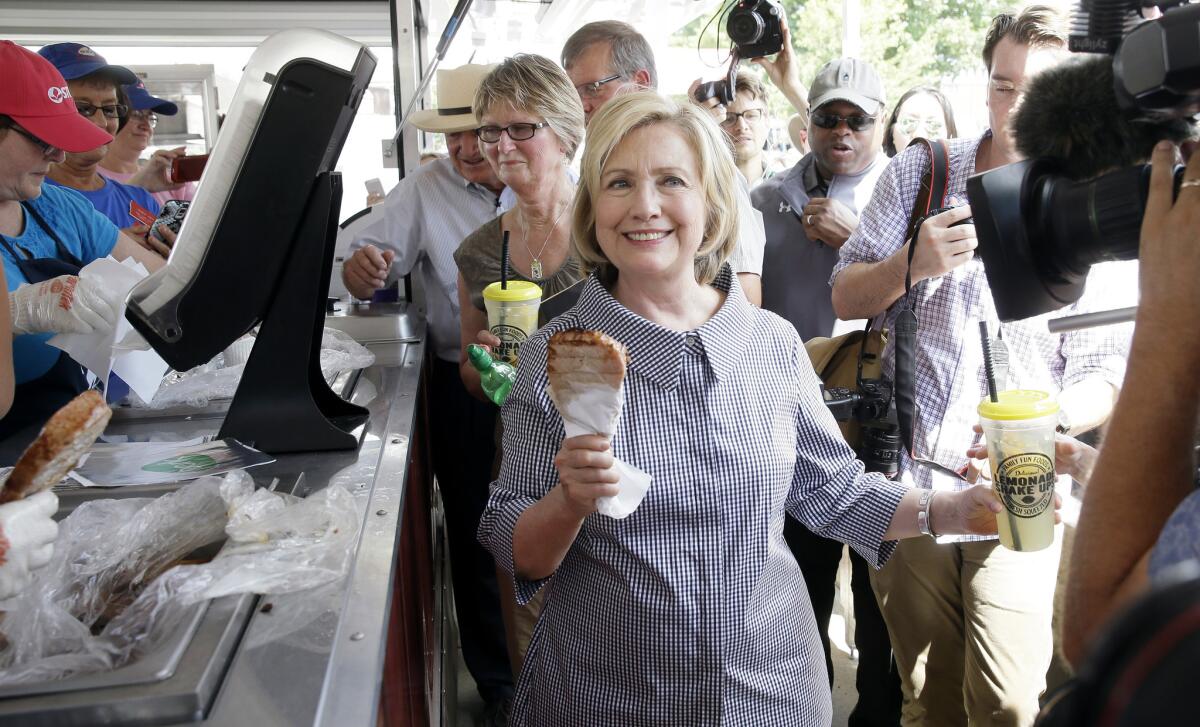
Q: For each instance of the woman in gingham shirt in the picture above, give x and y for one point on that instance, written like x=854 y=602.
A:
x=691 y=611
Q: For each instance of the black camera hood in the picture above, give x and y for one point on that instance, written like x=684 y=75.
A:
x=1002 y=200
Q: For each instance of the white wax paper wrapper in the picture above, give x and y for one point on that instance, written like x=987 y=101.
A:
x=121 y=350
x=596 y=411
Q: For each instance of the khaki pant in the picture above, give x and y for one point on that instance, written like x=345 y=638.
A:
x=970 y=627
x=1061 y=671
x=518 y=620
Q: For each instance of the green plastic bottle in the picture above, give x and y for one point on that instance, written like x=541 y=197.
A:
x=497 y=377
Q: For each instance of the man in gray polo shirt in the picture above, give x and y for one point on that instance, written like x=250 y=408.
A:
x=808 y=212
x=811 y=209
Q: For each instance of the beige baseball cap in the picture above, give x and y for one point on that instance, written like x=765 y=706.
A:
x=456 y=89
x=847 y=79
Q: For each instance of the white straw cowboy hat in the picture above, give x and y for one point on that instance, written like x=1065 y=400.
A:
x=456 y=89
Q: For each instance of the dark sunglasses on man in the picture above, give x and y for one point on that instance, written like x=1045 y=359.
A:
x=830 y=121
x=112 y=111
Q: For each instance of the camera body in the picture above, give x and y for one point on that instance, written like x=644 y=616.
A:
x=171 y=217
x=871 y=407
x=756 y=28
x=722 y=89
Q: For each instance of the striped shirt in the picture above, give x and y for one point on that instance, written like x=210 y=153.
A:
x=950 y=375
x=691 y=611
x=424 y=219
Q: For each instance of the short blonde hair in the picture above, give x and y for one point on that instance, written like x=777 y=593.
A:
x=615 y=121
x=533 y=83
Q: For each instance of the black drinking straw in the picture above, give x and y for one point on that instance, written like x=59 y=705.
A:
x=504 y=262
x=987 y=360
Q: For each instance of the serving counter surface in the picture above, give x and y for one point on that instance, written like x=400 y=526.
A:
x=247 y=659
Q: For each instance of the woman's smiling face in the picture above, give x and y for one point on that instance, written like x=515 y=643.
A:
x=650 y=214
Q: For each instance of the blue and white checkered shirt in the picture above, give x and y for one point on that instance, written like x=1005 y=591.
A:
x=691 y=611
x=950 y=376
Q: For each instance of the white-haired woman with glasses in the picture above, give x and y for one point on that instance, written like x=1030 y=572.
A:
x=531 y=123
x=691 y=610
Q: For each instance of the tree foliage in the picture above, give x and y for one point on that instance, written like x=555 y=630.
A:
x=909 y=42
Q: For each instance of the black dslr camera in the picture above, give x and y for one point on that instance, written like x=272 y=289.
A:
x=756 y=28
x=871 y=407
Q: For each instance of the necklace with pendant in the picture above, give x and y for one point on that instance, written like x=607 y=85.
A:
x=535 y=264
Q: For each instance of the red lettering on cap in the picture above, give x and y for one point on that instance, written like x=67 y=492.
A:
x=58 y=94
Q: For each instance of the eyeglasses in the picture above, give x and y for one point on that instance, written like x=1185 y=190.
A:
x=831 y=121
x=516 y=132
x=113 y=111
x=731 y=117
x=48 y=150
x=909 y=124
x=146 y=115
x=592 y=90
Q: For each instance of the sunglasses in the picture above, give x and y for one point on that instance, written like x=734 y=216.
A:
x=516 y=132
x=113 y=111
x=591 y=90
x=48 y=150
x=732 y=117
x=910 y=124
x=831 y=121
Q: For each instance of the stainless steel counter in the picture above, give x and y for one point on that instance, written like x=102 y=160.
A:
x=243 y=670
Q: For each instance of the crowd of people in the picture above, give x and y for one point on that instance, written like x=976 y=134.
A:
x=658 y=223
x=711 y=603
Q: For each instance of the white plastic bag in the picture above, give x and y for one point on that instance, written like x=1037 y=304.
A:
x=215 y=380
x=106 y=551
x=276 y=544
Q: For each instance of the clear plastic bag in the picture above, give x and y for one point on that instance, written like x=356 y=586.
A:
x=275 y=544
x=107 y=550
x=215 y=380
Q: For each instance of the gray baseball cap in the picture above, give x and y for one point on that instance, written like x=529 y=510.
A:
x=847 y=79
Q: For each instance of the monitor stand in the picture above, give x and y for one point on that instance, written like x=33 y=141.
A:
x=283 y=403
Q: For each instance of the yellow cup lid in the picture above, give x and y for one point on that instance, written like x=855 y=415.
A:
x=1018 y=404
x=517 y=290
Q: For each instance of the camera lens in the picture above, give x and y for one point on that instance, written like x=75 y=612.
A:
x=744 y=27
x=880 y=449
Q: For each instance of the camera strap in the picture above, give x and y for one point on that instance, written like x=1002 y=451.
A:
x=931 y=196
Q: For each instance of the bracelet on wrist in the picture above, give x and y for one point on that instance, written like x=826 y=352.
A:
x=924 y=518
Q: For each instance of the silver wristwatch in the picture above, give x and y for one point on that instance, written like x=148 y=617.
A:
x=923 y=520
x=1064 y=423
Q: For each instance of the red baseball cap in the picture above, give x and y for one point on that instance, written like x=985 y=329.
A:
x=35 y=96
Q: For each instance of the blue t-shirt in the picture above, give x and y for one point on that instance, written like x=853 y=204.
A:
x=84 y=231
x=1179 y=539
x=113 y=200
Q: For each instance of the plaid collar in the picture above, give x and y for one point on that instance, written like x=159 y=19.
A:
x=656 y=353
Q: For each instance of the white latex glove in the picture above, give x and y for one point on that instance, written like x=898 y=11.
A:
x=27 y=534
x=66 y=304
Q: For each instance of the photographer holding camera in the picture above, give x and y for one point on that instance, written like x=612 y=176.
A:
x=970 y=622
